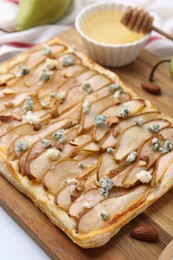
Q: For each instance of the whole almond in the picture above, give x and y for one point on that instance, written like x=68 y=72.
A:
x=151 y=88
x=144 y=233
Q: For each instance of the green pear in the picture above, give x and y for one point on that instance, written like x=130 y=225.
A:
x=171 y=67
x=37 y=12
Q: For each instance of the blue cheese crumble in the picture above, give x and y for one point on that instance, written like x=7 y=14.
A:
x=115 y=88
x=68 y=60
x=53 y=154
x=45 y=75
x=23 y=70
x=87 y=87
x=100 y=120
x=31 y=119
x=51 y=63
x=44 y=104
x=53 y=94
x=22 y=146
x=124 y=111
x=106 y=185
x=28 y=104
x=62 y=96
x=166 y=148
x=46 y=50
x=104 y=215
x=110 y=150
x=139 y=121
x=155 y=144
x=144 y=176
x=59 y=136
x=154 y=128
x=131 y=157
x=46 y=143
x=86 y=107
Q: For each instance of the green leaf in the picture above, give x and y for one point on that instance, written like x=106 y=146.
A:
x=38 y=12
x=171 y=67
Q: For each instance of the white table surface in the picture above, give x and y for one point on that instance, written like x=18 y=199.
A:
x=15 y=243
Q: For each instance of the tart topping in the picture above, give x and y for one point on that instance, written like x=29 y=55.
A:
x=45 y=75
x=104 y=215
x=53 y=94
x=87 y=87
x=44 y=104
x=28 y=104
x=131 y=157
x=155 y=144
x=53 y=154
x=139 y=121
x=62 y=96
x=46 y=143
x=22 y=146
x=110 y=150
x=31 y=119
x=115 y=89
x=154 y=128
x=82 y=165
x=144 y=176
x=106 y=185
x=46 y=50
x=166 y=148
x=86 y=205
x=51 y=63
x=59 y=136
x=124 y=111
x=86 y=107
x=23 y=71
x=71 y=184
x=5 y=118
x=37 y=127
x=68 y=60
x=100 y=120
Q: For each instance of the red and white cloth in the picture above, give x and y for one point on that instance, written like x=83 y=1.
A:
x=13 y=42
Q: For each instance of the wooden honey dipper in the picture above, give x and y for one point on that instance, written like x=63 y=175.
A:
x=140 y=21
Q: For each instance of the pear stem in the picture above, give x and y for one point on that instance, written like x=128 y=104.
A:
x=151 y=76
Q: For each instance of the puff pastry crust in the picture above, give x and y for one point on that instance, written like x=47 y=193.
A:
x=79 y=143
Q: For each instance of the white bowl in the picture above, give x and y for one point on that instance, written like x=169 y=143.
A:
x=114 y=55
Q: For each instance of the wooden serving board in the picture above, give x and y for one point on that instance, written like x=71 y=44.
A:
x=122 y=246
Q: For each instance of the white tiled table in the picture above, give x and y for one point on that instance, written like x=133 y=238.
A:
x=15 y=243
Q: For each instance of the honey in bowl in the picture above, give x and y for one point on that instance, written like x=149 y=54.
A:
x=104 y=26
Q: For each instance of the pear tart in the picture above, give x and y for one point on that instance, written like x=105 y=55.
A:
x=80 y=144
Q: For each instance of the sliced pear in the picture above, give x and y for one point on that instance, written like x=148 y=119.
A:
x=167 y=133
x=33 y=78
x=108 y=164
x=14 y=133
x=54 y=179
x=136 y=105
x=74 y=113
x=74 y=96
x=99 y=81
x=64 y=198
x=91 y=147
x=89 y=199
x=96 y=108
x=63 y=82
x=134 y=136
x=162 y=165
x=115 y=207
x=109 y=141
x=46 y=131
x=84 y=74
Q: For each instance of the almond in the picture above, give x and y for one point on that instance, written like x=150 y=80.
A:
x=144 y=233
x=73 y=198
x=37 y=127
x=151 y=88
x=145 y=159
x=5 y=118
